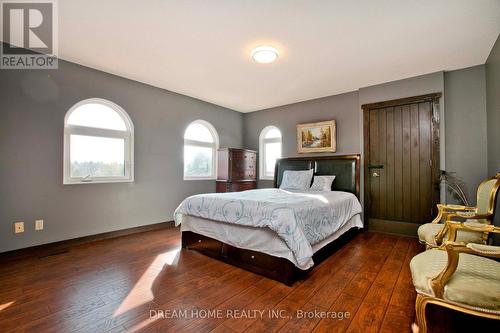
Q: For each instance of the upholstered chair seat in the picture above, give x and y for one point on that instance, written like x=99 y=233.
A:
x=475 y=283
x=435 y=233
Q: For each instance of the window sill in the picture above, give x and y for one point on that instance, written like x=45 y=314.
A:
x=200 y=178
x=97 y=181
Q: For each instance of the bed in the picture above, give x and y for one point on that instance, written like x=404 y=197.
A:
x=277 y=233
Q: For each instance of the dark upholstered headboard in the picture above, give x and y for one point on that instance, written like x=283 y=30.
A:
x=344 y=167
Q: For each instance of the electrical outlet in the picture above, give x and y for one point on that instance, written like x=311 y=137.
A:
x=18 y=227
x=39 y=225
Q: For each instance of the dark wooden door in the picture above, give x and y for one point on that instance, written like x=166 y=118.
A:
x=402 y=159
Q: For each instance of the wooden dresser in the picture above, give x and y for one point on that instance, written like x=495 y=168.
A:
x=236 y=170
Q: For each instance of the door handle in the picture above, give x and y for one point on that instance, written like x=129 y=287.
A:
x=375 y=166
x=376 y=174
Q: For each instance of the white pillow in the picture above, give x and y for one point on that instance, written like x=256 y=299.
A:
x=296 y=180
x=322 y=183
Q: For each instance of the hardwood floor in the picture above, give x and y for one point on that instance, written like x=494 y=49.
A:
x=122 y=284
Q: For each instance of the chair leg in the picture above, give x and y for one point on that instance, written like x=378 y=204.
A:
x=420 y=305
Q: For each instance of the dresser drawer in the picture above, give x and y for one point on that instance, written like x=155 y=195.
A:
x=245 y=186
x=249 y=174
x=243 y=165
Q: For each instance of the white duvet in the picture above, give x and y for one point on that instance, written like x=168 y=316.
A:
x=300 y=219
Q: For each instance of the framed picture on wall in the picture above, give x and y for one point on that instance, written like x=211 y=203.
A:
x=317 y=137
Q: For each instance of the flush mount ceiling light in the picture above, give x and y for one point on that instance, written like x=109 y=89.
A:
x=265 y=54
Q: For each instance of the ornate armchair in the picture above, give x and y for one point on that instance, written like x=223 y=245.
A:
x=462 y=278
x=432 y=234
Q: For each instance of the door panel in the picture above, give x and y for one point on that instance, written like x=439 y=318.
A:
x=415 y=165
x=426 y=183
x=406 y=157
x=374 y=156
x=389 y=169
x=399 y=164
x=382 y=160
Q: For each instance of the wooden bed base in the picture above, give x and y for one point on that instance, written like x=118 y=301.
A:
x=279 y=269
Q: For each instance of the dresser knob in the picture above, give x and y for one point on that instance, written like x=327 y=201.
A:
x=253 y=257
x=199 y=240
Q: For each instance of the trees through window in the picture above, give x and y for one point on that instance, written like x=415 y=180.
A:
x=200 y=150
x=98 y=143
x=270 y=151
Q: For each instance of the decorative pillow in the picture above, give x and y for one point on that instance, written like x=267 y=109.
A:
x=322 y=183
x=296 y=180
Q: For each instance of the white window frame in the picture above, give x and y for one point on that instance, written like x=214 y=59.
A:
x=214 y=145
x=262 y=151
x=127 y=135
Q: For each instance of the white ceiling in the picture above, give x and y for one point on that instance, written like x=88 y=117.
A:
x=202 y=48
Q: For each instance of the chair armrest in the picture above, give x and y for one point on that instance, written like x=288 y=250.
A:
x=453 y=249
x=438 y=238
x=445 y=210
x=454 y=226
x=472 y=226
x=472 y=216
x=439 y=281
x=459 y=208
x=485 y=250
x=466 y=215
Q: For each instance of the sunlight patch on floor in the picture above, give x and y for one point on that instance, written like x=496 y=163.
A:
x=141 y=293
x=6 y=305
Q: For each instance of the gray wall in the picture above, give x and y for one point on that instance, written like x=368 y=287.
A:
x=493 y=116
x=466 y=138
x=342 y=108
x=493 y=107
x=32 y=109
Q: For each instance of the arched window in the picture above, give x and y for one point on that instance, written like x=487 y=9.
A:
x=270 y=150
x=200 y=150
x=98 y=143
